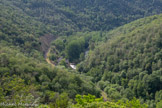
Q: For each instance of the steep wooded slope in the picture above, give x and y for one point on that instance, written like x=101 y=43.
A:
x=73 y=15
x=127 y=66
x=131 y=61
x=23 y=22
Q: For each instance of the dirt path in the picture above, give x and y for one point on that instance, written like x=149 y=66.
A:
x=104 y=95
x=47 y=58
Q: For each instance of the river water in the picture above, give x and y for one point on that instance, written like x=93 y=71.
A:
x=73 y=66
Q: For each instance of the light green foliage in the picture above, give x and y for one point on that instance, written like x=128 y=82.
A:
x=159 y=104
x=89 y=101
x=134 y=103
x=43 y=106
x=86 y=99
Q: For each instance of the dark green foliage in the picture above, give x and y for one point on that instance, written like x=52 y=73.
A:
x=74 y=49
x=67 y=16
x=16 y=29
x=127 y=66
x=14 y=90
x=131 y=59
x=27 y=72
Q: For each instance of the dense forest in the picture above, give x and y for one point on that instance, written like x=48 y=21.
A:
x=81 y=53
x=67 y=16
x=129 y=64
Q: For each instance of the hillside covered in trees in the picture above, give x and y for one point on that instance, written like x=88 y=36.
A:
x=129 y=64
x=117 y=65
x=67 y=16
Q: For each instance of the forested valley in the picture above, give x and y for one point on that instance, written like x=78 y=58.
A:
x=81 y=53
